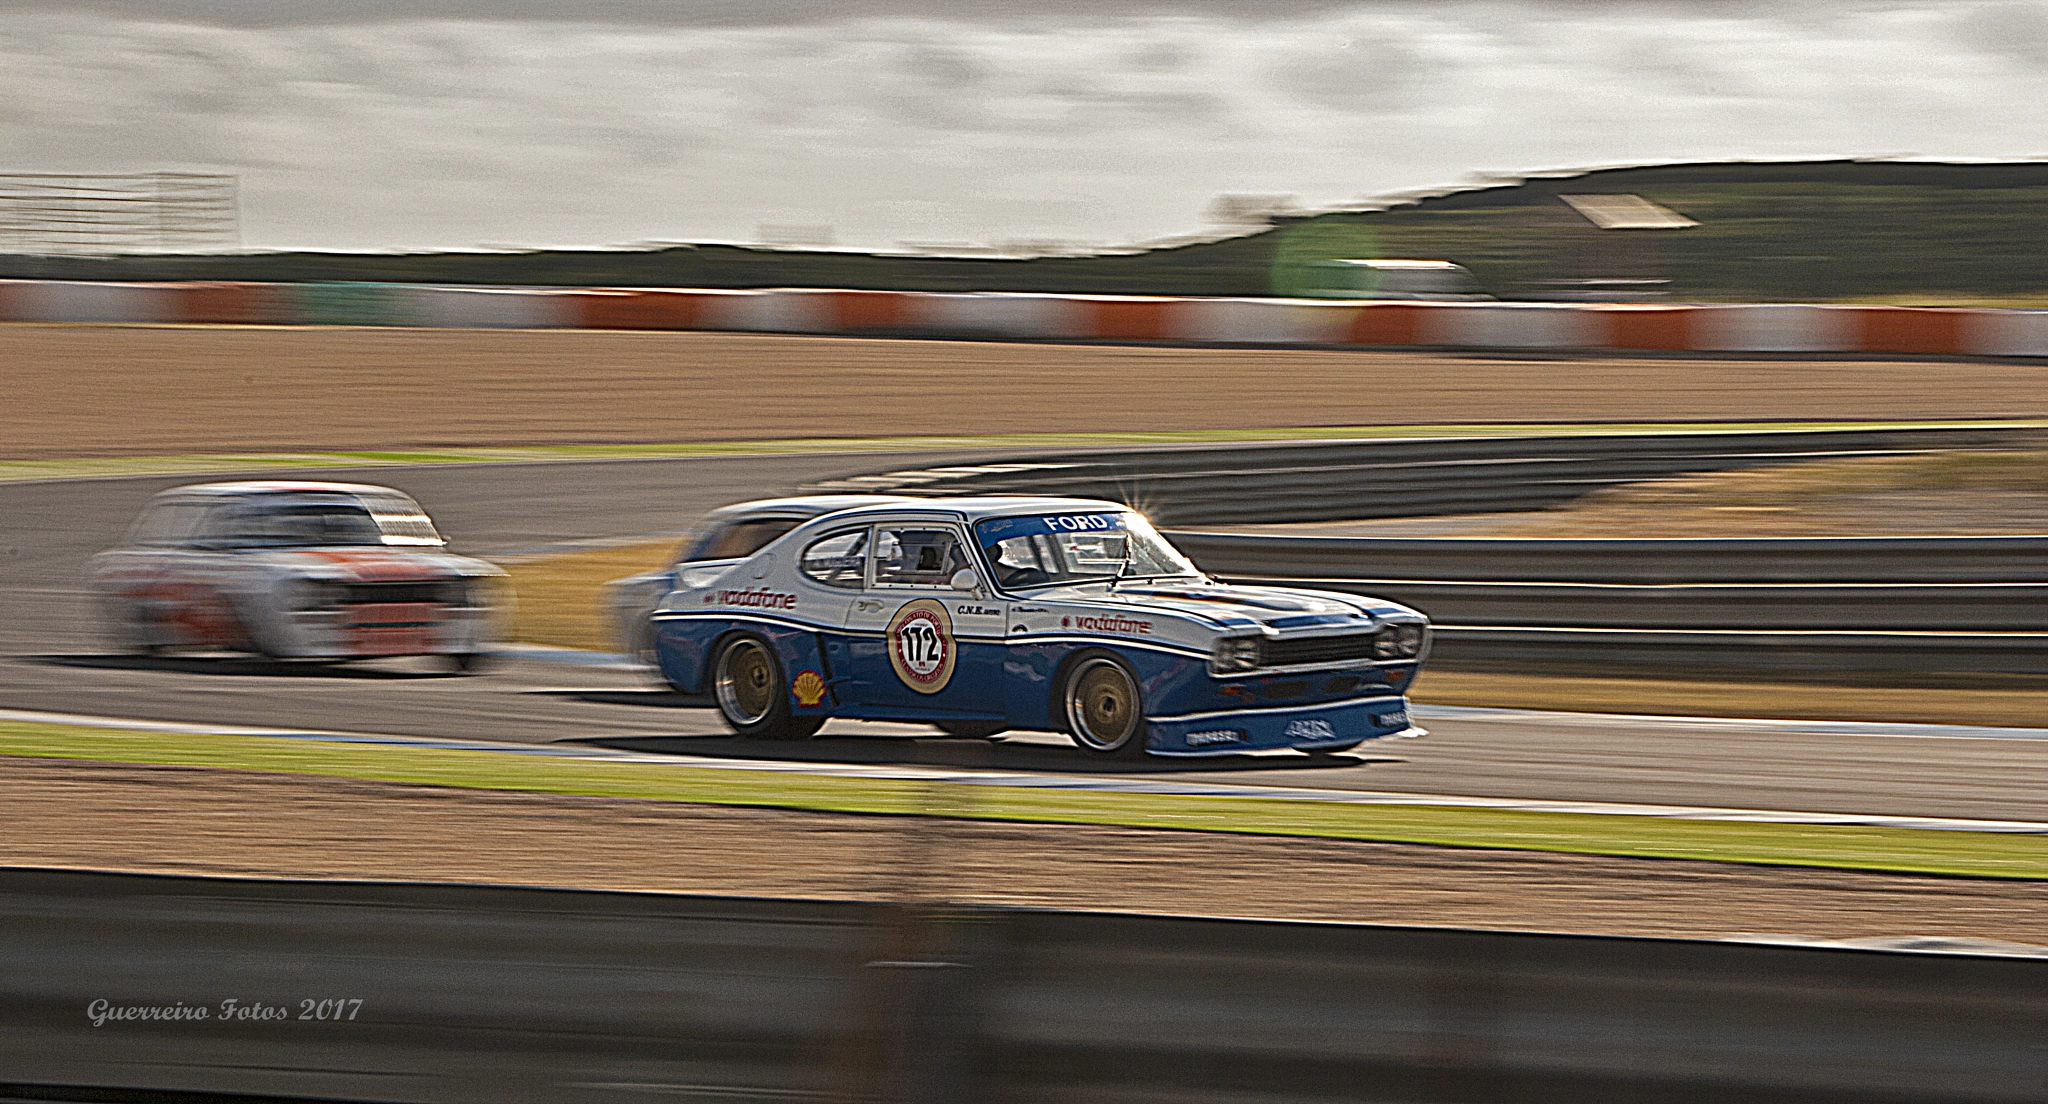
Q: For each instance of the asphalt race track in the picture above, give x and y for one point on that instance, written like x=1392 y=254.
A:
x=53 y=658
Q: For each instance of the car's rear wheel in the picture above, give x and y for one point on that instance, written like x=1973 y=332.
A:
x=1103 y=706
x=747 y=681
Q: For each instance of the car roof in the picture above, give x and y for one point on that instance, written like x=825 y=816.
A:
x=976 y=507
x=808 y=506
x=279 y=486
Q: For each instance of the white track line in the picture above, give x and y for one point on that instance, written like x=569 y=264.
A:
x=1081 y=783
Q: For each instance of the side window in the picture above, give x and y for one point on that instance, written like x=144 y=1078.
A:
x=155 y=524
x=838 y=559
x=921 y=557
x=743 y=538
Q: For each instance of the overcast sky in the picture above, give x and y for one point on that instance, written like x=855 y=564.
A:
x=362 y=124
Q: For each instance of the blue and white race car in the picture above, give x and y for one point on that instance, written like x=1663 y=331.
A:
x=980 y=615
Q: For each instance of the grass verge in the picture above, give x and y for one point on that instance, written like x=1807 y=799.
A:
x=105 y=466
x=1852 y=848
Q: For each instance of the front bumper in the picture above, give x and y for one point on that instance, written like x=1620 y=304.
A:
x=1303 y=728
x=365 y=631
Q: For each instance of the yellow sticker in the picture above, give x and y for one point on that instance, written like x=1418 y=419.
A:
x=809 y=689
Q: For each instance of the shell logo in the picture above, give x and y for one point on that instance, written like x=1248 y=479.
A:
x=809 y=689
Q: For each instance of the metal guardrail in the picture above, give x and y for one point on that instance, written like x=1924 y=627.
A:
x=1748 y=561
x=1927 y=605
x=472 y=994
x=1409 y=477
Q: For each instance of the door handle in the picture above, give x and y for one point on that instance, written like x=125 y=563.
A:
x=866 y=604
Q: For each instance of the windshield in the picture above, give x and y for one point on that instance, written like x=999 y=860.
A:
x=1048 y=549
x=278 y=521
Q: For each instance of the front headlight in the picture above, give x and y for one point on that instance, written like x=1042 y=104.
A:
x=1233 y=654
x=1397 y=642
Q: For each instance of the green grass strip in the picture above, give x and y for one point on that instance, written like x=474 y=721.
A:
x=1898 y=850
x=106 y=466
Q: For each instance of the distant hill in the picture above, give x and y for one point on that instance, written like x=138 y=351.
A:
x=1815 y=230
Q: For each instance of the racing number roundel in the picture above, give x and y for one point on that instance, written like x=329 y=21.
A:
x=921 y=646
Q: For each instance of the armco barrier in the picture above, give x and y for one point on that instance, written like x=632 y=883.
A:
x=1780 y=328
x=1644 y=562
x=468 y=995
x=1931 y=607
x=1403 y=477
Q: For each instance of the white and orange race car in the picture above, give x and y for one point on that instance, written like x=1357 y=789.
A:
x=297 y=570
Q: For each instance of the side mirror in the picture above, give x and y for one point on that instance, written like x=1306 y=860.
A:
x=966 y=579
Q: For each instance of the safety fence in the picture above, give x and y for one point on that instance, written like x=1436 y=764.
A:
x=1733 y=328
x=1410 y=477
x=433 y=994
x=1927 y=608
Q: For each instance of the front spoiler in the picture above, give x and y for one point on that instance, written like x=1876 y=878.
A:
x=1308 y=728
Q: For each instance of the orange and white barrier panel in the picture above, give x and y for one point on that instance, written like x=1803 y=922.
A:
x=1707 y=328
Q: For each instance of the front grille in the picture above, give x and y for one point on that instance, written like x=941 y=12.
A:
x=1294 y=652
x=355 y=594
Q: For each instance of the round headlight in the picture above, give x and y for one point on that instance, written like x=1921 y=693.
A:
x=1410 y=637
x=1386 y=643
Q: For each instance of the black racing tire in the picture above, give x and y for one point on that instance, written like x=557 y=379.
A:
x=971 y=730
x=1103 y=706
x=746 y=681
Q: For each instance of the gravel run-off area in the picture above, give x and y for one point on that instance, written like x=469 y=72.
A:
x=87 y=390
x=176 y=820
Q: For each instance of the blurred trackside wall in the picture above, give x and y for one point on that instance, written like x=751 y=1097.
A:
x=1735 y=328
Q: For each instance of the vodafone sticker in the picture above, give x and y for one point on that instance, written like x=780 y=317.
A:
x=921 y=646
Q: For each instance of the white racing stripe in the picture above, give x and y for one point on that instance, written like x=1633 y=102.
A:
x=1081 y=783
x=1895 y=730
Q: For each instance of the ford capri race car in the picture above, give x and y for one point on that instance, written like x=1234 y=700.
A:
x=1068 y=615
x=297 y=570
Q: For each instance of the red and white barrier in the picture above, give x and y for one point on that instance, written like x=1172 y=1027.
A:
x=2006 y=333
x=1744 y=327
x=77 y=301
x=488 y=308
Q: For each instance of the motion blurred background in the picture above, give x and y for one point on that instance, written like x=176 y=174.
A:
x=1840 y=149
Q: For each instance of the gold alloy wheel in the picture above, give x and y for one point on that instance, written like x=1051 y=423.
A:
x=1102 y=705
x=746 y=682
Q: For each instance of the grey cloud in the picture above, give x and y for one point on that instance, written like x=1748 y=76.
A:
x=681 y=13
x=2018 y=31
x=895 y=122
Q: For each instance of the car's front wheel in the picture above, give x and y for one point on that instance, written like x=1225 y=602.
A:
x=1103 y=706
x=747 y=681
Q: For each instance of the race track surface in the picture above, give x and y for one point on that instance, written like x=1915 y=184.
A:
x=53 y=658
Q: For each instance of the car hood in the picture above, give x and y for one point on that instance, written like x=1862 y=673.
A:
x=1226 y=606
